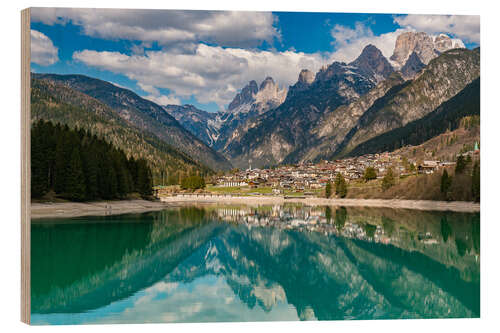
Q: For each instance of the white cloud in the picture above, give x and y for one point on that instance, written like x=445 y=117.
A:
x=43 y=51
x=166 y=27
x=465 y=27
x=349 y=42
x=157 y=97
x=210 y=73
x=163 y=99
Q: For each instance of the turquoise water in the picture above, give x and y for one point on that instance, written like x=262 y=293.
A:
x=237 y=263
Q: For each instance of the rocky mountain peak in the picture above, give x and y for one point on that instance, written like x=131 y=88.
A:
x=268 y=82
x=412 y=66
x=258 y=98
x=245 y=96
x=444 y=43
x=425 y=46
x=372 y=64
x=306 y=76
x=269 y=95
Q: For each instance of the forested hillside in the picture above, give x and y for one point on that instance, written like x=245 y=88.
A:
x=446 y=117
x=143 y=114
x=79 y=166
x=60 y=104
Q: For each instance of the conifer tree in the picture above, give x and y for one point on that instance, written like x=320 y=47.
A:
x=388 y=181
x=461 y=164
x=39 y=164
x=370 y=174
x=445 y=183
x=340 y=186
x=79 y=166
x=75 y=184
x=144 y=178
x=91 y=172
x=328 y=189
x=476 y=182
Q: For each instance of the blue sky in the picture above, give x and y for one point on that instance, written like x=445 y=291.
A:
x=204 y=58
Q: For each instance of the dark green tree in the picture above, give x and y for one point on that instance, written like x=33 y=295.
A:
x=68 y=160
x=370 y=174
x=40 y=166
x=461 y=164
x=61 y=158
x=75 y=183
x=476 y=182
x=193 y=182
x=144 y=178
x=388 y=181
x=328 y=189
x=340 y=186
x=445 y=183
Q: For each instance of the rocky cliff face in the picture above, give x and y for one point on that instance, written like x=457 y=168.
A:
x=245 y=97
x=215 y=128
x=332 y=128
x=426 y=47
x=343 y=107
x=412 y=67
x=441 y=79
x=270 y=138
x=372 y=64
x=257 y=99
x=249 y=103
x=198 y=122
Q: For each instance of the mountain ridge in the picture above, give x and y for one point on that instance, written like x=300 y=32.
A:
x=58 y=103
x=144 y=114
x=287 y=125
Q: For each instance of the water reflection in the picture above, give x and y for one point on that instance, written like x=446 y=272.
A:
x=239 y=263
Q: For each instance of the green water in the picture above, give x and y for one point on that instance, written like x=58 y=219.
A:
x=237 y=263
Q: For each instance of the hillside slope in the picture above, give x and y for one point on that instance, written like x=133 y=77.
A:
x=443 y=78
x=444 y=118
x=270 y=138
x=61 y=104
x=143 y=114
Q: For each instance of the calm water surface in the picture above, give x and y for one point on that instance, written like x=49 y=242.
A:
x=234 y=263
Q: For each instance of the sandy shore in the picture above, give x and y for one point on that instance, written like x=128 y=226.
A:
x=101 y=208
x=456 y=206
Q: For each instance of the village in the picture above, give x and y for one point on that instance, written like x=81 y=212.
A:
x=310 y=177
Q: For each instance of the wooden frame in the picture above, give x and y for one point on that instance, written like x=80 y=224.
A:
x=25 y=167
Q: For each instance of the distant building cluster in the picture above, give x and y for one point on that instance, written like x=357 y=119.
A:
x=309 y=176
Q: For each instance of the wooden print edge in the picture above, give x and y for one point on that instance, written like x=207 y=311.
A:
x=25 y=167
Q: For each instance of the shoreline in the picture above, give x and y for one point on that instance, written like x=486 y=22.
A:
x=103 y=208
x=96 y=208
x=455 y=206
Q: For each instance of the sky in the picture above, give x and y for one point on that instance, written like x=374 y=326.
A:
x=205 y=57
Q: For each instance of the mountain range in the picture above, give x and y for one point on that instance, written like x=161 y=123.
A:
x=324 y=115
x=58 y=103
x=217 y=128
x=328 y=114
x=142 y=114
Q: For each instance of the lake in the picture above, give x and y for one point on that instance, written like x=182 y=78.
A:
x=240 y=263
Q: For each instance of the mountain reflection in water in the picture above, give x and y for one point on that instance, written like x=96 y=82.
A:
x=239 y=263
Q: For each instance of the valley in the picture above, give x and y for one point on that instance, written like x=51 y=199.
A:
x=421 y=104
